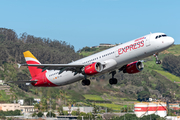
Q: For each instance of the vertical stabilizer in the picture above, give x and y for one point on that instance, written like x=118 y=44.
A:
x=30 y=59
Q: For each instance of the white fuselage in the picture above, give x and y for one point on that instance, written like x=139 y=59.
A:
x=115 y=57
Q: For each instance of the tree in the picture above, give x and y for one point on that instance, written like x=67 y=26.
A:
x=161 y=87
x=143 y=95
x=152 y=117
x=95 y=109
x=53 y=104
x=60 y=110
x=50 y=114
x=34 y=114
x=172 y=67
x=29 y=101
x=40 y=114
x=37 y=106
x=74 y=113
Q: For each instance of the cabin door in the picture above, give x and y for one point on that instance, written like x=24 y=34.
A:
x=148 y=41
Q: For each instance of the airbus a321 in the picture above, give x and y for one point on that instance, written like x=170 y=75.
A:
x=124 y=57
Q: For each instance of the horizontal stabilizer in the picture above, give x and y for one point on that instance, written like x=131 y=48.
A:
x=23 y=81
x=19 y=65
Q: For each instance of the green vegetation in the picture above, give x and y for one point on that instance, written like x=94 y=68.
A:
x=10 y=113
x=152 y=66
x=3 y=96
x=175 y=49
x=170 y=76
x=92 y=97
x=86 y=51
x=112 y=106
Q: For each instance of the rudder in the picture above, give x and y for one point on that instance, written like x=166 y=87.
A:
x=30 y=59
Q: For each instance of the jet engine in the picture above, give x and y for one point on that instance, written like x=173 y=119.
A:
x=134 y=67
x=93 y=68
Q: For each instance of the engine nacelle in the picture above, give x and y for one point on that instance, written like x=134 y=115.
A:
x=134 y=67
x=93 y=68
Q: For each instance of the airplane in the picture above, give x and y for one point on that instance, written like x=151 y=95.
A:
x=124 y=57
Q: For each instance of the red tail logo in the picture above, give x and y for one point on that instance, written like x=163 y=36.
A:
x=30 y=59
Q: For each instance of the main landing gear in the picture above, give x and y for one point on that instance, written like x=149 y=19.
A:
x=86 y=82
x=113 y=80
x=157 y=60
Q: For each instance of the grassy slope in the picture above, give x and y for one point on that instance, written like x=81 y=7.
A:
x=3 y=96
x=93 y=97
x=158 y=68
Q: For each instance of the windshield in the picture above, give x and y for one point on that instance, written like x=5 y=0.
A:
x=159 y=36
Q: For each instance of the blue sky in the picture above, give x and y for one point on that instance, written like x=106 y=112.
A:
x=91 y=22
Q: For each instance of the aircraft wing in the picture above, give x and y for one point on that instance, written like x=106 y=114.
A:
x=61 y=67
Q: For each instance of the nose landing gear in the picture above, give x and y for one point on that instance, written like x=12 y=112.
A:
x=113 y=80
x=157 y=60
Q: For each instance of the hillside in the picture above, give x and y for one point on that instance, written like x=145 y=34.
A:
x=153 y=81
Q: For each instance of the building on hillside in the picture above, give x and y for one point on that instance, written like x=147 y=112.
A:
x=21 y=101
x=27 y=109
x=81 y=109
x=95 y=47
x=172 y=117
x=1 y=82
x=106 y=45
x=147 y=108
x=6 y=88
x=172 y=105
x=175 y=108
x=37 y=100
x=67 y=117
x=8 y=107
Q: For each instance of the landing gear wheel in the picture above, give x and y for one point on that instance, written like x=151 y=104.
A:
x=113 y=81
x=158 y=62
x=86 y=82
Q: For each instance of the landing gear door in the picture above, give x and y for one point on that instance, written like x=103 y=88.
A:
x=148 y=43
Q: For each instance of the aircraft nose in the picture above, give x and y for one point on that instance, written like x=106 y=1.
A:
x=171 y=40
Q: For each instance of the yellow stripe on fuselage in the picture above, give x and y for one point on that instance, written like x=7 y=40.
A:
x=28 y=54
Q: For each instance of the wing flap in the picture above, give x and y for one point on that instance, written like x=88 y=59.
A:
x=54 y=65
x=67 y=67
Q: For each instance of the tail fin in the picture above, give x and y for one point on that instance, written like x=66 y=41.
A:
x=30 y=59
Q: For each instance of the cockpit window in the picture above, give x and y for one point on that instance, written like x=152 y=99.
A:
x=164 y=35
x=159 y=36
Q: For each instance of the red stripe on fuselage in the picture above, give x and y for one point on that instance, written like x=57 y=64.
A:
x=42 y=81
x=144 y=109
